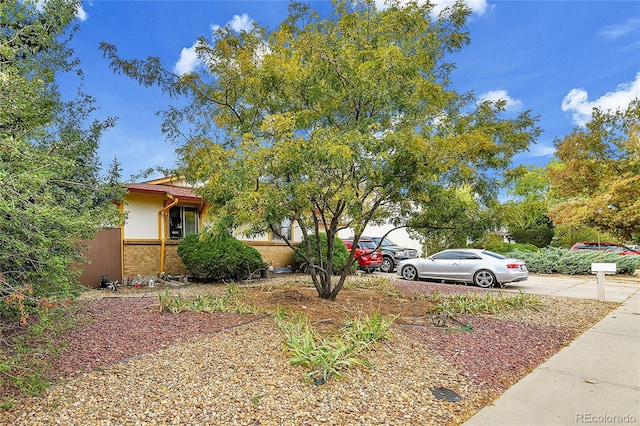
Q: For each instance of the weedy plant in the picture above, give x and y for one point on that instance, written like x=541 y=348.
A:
x=231 y=302
x=369 y=328
x=445 y=308
x=329 y=356
x=485 y=303
x=380 y=283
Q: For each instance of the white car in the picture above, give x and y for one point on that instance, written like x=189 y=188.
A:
x=483 y=268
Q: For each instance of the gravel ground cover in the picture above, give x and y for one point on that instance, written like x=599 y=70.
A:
x=131 y=364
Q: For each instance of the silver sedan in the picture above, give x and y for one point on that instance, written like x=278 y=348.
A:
x=480 y=267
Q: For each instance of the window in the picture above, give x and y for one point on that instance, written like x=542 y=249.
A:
x=469 y=256
x=492 y=254
x=367 y=245
x=447 y=255
x=388 y=242
x=286 y=230
x=183 y=220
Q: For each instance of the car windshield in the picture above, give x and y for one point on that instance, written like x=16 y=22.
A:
x=367 y=245
x=383 y=242
x=492 y=254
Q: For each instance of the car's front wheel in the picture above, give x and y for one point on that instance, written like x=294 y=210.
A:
x=484 y=279
x=387 y=265
x=409 y=273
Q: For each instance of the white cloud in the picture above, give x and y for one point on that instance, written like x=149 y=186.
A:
x=536 y=150
x=613 y=32
x=241 y=23
x=238 y=23
x=188 y=61
x=81 y=14
x=496 y=95
x=577 y=101
x=541 y=150
x=478 y=7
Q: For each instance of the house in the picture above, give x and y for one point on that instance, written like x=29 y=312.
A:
x=159 y=213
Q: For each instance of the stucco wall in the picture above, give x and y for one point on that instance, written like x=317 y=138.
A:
x=297 y=236
x=142 y=216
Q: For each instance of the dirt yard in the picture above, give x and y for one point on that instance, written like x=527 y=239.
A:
x=129 y=363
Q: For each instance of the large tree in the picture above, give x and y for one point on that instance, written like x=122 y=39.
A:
x=459 y=218
x=525 y=215
x=597 y=173
x=334 y=121
x=51 y=195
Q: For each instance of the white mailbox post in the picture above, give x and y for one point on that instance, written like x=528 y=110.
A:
x=600 y=269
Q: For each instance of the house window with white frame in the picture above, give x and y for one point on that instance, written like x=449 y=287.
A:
x=286 y=230
x=183 y=221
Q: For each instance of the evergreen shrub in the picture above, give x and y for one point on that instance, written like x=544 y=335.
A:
x=210 y=257
x=503 y=248
x=537 y=236
x=553 y=260
x=340 y=253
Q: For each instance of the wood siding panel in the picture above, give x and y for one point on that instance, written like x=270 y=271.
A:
x=104 y=256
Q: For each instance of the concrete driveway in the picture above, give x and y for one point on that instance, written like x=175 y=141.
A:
x=617 y=288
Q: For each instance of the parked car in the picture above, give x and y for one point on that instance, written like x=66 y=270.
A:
x=600 y=246
x=369 y=257
x=392 y=254
x=480 y=267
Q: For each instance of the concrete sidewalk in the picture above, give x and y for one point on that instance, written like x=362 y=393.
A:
x=594 y=380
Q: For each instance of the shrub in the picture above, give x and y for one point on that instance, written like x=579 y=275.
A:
x=538 y=236
x=504 y=248
x=211 y=257
x=562 y=261
x=340 y=253
x=568 y=235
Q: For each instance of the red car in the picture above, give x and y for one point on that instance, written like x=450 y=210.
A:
x=610 y=247
x=368 y=256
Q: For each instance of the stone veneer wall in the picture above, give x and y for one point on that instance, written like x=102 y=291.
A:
x=142 y=257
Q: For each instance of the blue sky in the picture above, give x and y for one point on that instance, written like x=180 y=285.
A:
x=558 y=59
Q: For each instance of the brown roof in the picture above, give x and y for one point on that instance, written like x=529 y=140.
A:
x=180 y=192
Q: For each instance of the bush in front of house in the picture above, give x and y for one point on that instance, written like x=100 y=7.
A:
x=553 y=260
x=210 y=257
x=340 y=253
